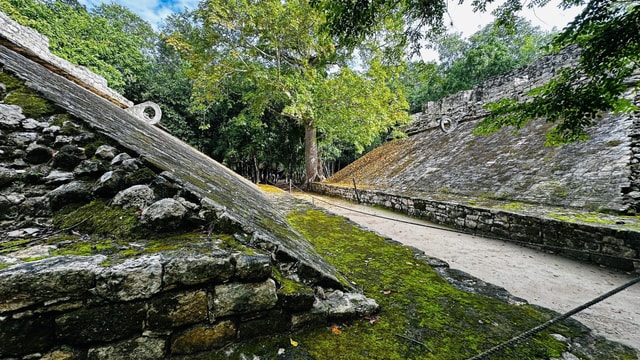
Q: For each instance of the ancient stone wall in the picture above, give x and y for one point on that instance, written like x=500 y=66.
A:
x=164 y=305
x=119 y=241
x=599 y=174
x=612 y=245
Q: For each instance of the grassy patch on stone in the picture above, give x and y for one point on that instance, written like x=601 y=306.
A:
x=32 y=104
x=99 y=219
x=416 y=303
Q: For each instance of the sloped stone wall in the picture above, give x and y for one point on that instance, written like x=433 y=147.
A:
x=119 y=241
x=593 y=175
x=439 y=175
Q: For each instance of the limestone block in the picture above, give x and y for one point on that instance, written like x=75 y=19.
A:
x=203 y=337
x=191 y=269
x=142 y=348
x=7 y=176
x=89 y=169
x=105 y=152
x=49 y=279
x=138 y=278
x=100 y=324
x=73 y=192
x=342 y=305
x=65 y=354
x=10 y=116
x=26 y=335
x=164 y=214
x=238 y=298
x=275 y=321
x=252 y=267
x=174 y=310
x=136 y=197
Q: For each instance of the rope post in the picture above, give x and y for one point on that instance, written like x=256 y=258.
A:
x=355 y=190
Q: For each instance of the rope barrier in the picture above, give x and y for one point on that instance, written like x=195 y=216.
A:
x=523 y=243
x=529 y=333
x=555 y=320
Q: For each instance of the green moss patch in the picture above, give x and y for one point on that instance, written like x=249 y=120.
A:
x=99 y=219
x=32 y=104
x=441 y=321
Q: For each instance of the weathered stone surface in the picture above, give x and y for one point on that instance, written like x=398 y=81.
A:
x=203 y=337
x=105 y=152
x=276 y=321
x=301 y=299
x=38 y=154
x=203 y=177
x=100 y=324
x=22 y=139
x=191 y=269
x=10 y=116
x=73 y=192
x=109 y=184
x=25 y=336
x=136 y=197
x=120 y=158
x=239 y=298
x=7 y=176
x=142 y=348
x=49 y=279
x=138 y=278
x=56 y=177
x=68 y=157
x=62 y=355
x=164 y=214
x=178 y=309
x=252 y=267
x=342 y=305
x=89 y=169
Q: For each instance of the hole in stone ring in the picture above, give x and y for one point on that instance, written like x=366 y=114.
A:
x=447 y=125
x=149 y=112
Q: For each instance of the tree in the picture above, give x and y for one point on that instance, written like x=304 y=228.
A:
x=466 y=62
x=102 y=45
x=282 y=61
x=607 y=31
x=608 y=34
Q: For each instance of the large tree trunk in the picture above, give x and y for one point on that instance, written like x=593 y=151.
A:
x=310 y=153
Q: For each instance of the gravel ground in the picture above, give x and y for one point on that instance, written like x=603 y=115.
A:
x=541 y=278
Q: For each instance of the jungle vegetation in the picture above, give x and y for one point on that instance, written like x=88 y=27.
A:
x=300 y=88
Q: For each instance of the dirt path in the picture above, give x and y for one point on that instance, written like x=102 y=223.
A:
x=540 y=278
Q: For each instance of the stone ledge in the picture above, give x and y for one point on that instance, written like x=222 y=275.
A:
x=612 y=245
x=34 y=45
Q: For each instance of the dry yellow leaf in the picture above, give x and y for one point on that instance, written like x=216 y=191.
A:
x=293 y=342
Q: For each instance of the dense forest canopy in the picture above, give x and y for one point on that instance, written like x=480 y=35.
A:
x=291 y=88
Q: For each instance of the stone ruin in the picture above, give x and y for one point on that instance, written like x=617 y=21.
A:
x=510 y=185
x=120 y=241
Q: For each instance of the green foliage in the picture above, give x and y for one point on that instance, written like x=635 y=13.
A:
x=466 y=62
x=107 y=46
x=608 y=33
x=271 y=60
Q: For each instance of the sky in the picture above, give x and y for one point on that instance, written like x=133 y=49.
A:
x=153 y=11
x=463 y=18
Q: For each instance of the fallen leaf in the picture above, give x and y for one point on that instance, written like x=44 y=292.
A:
x=336 y=330
x=293 y=342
